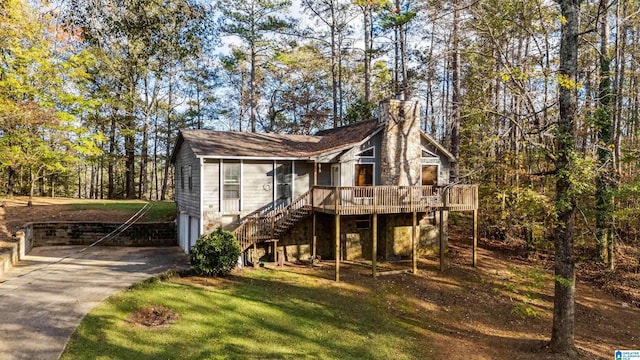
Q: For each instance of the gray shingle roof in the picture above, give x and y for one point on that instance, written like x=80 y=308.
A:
x=244 y=144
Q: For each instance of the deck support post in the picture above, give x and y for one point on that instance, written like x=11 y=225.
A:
x=314 y=240
x=475 y=238
x=414 y=243
x=254 y=255
x=374 y=246
x=441 y=236
x=337 y=247
x=275 y=252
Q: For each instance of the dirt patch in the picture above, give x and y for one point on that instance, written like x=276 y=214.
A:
x=155 y=316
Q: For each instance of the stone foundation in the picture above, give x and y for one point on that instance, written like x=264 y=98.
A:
x=394 y=238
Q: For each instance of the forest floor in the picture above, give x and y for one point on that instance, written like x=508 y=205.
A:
x=502 y=309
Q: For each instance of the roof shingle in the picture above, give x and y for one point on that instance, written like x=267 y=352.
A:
x=245 y=144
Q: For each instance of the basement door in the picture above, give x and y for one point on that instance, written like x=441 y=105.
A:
x=183 y=232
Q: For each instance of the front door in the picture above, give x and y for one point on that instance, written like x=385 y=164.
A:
x=335 y=175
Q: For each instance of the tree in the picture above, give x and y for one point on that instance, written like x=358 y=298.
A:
x=605 y=180
x=564 y=294
x=368 y=7
x=252 y=21
x=335 y=16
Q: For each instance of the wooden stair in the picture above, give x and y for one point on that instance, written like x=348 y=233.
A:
x=273 y=224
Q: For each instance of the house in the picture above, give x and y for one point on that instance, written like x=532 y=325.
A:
x=379 y=175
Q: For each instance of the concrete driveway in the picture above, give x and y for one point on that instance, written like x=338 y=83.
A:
x=43 y=299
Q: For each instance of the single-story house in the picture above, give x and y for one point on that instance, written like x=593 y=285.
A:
x=387 y=166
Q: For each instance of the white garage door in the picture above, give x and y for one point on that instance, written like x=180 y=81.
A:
x=183 y=232
x=194 y=232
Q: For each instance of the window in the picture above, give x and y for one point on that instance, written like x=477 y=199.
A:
x=363 y=175
x=363 y=223
x=429 y=175
x=190 y=177
x=427 y=154
x=185 y=172
x=369 y=152
x=284 y=179
x=231 y=181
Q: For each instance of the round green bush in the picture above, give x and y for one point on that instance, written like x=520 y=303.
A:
x=215 y=254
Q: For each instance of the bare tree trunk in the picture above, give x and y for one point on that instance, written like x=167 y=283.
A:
x=334 y=65
x=252 y=90
x=130 y=160
x=112 y=159
x=165 y=180
x=455 y=98
x=367 y=52
x=562 y=334
x=396 y=55
x=10 y=180
x=604 y=127
x=92 y=177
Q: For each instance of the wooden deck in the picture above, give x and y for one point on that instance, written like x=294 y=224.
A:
x=363 y=200
x=356 y=200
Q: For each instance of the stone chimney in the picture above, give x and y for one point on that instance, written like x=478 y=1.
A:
x=401 y=151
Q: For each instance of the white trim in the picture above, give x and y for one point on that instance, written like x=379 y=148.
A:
x=252 y=157
x=372 y=148
x=220 y=184
x=241 y=193
x=293 y=180
x=201 y=223
x=274 y=183
x=438 y=146
x=433 y=155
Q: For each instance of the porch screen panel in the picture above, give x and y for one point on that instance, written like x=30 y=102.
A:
x=284 y=179
x=231 y=184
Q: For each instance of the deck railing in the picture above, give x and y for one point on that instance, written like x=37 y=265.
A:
x=264 y=226
x=357 y=200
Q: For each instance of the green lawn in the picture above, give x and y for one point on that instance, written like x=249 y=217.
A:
x=259 y=314
x=158 y=210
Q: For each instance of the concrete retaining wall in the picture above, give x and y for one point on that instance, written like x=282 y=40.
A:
x=13 y=252
x=86 y=233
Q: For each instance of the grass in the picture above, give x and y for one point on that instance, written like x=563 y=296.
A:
x=259 y=314
x=158 y=211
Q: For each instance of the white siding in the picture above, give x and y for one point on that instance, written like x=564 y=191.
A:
x=303 y=178
x=187 y=199
x=257 y=184
x=211 y=189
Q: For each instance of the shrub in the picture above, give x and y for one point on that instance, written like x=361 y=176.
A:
x=215 y=254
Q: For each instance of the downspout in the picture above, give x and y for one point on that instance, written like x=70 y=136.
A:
x=293 y=180
x=200 y=190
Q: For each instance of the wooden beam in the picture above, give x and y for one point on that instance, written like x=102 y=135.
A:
x=374 y=246
x=393 y=272
x=337 y=247
x=475 y=238
x=275 y=251
x=441 y=235
x=414 y=243
x=254 y=257
x=314 y=240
